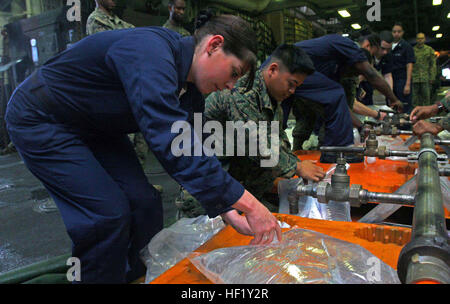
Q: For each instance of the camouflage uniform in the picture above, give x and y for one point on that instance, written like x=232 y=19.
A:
x=254 y=105
x=445 y=122
x=99 y=21
x=424 y=72
x=179 y=29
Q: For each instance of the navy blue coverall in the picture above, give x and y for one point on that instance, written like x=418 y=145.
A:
x=70 y=121
x=402 y=54
x=329 y=54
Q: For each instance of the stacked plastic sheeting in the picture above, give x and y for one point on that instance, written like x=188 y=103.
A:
x=309 y=206
x=172 y=244
x=303 y=257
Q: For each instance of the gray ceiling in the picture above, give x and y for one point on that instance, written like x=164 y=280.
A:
x=391 y=11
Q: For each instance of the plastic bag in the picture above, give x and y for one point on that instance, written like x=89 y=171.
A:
x=303 y=257
x=172 y=244
x=309 y=206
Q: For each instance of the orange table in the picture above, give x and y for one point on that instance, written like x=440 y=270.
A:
x=385 y=242
x=381 y=176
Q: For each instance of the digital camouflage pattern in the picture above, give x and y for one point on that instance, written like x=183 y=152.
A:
x=424 y=73
x=253 y=105
x=424 y=69
x=179 y=29
x=99 y=21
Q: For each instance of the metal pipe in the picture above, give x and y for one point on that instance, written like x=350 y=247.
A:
x=443 y=142
x=400 y=153
x=427 y=256
x=342 y=149
x=389 y=198
x=363 y=150
x=444 y=171
x=363 y=196
x=403 y=132
x=429 y=217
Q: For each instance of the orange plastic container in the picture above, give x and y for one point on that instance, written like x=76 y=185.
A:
x=385 y=242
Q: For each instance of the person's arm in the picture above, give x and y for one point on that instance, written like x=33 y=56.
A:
x=362 y=109
x=389 y=80
x=215 y=108
x=261 y=222
x=423 y=112
x=410 y=60
x=355 y=121
x=423 y=126
x=378 y=82
x=407 y=88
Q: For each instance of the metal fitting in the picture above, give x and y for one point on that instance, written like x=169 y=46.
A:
x=322 y=192
x=382 y=152
x=354 y=195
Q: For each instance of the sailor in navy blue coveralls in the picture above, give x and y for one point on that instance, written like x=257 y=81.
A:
x=329 y=54
x=402 y=54
x=69 y=121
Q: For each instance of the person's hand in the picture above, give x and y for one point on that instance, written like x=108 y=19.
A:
x=407 y=90
x=362 y=94
x=422 y=127
x=263 y=224
x=308 y=170
x=382 y=116
x=237 y=221
x=423 y=112
x=397 y=105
